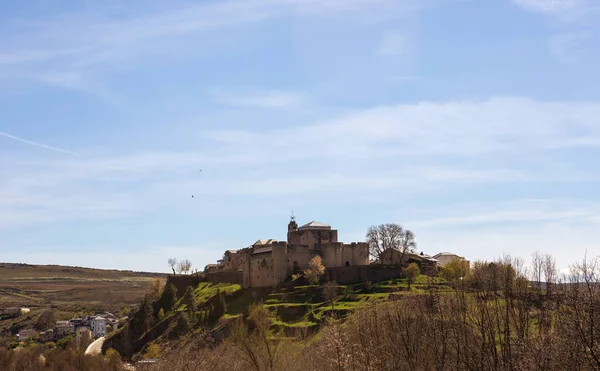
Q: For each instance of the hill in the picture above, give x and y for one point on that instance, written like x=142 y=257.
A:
x=296 y=311
x=68 y=290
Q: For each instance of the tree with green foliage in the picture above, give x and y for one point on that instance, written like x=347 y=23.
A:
x=411 y=272
x=168 y=298
x=219 y=307
x=183 y=324
x=152 y=350
x=189 y=298
x=65 y=342
x=147 y=314
x=315 y=270
x=455 y=270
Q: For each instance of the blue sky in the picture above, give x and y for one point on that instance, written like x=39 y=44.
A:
x=473 y=123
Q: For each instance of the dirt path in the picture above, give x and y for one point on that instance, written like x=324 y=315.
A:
x=95 y=347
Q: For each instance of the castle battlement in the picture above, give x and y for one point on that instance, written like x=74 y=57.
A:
x=268 y=262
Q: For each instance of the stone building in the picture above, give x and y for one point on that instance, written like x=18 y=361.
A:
x=268 y=262
x=446 y=257
x=393 y=257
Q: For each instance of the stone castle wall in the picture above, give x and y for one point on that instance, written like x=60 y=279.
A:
x=357 y=274
x=181 y=282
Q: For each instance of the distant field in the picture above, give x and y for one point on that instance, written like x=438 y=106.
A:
x=71 y=289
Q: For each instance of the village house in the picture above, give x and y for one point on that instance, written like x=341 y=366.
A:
x=76 y=323
x=446 y=257
x=26 y=334
x=98 y=326
x=395 y=257
x=62 y=329
x=47 y=335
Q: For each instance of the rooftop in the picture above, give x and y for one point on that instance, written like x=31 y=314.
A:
x=444 y=254
x=264 y=242
x=262 y=250
x=315 y=225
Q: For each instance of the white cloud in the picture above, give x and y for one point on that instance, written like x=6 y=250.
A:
x=403 y=148
x=550 y=6
x=516 y=212
x=260 y=99
x=460 y=128
x=51 y=46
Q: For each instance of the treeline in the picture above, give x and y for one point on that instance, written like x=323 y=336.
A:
x=161 y=313
x=47 y=358
x=496 y=318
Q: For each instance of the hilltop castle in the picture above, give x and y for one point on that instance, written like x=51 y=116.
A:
x=268 y=262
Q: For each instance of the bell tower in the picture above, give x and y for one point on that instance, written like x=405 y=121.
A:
x=292 y=228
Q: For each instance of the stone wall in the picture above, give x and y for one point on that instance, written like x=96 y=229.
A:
x=262 y=270
x=341 y=255
x=229 y=277
x=299 y=254
x=312 y=237
x=181 y=282
x=357 y=274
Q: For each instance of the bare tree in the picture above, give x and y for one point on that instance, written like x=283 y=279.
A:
x=45 y=321
x=537 y=267
x=330 y=293
x=184 y=266
x=550 y=272
x=172 y=264
x=390 y=236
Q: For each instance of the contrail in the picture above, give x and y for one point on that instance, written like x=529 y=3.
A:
x=37 y=144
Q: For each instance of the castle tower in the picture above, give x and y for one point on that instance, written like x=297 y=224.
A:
x=292 y=235
x=292 y=226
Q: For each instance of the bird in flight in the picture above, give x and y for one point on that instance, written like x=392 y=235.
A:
x=192 y=196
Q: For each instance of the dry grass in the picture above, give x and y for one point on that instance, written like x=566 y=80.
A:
x=69 y=290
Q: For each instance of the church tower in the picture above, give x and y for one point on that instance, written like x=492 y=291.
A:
x=292 y=228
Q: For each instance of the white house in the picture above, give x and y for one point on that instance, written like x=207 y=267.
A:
x=98 y=325
x=444 y=258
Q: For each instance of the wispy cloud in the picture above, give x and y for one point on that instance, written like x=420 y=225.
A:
x=260 y=99
x=37 y=144
x=552 y=7
x=403 y=148
x=517 y=216
x=102 y=42
x=464 y=128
